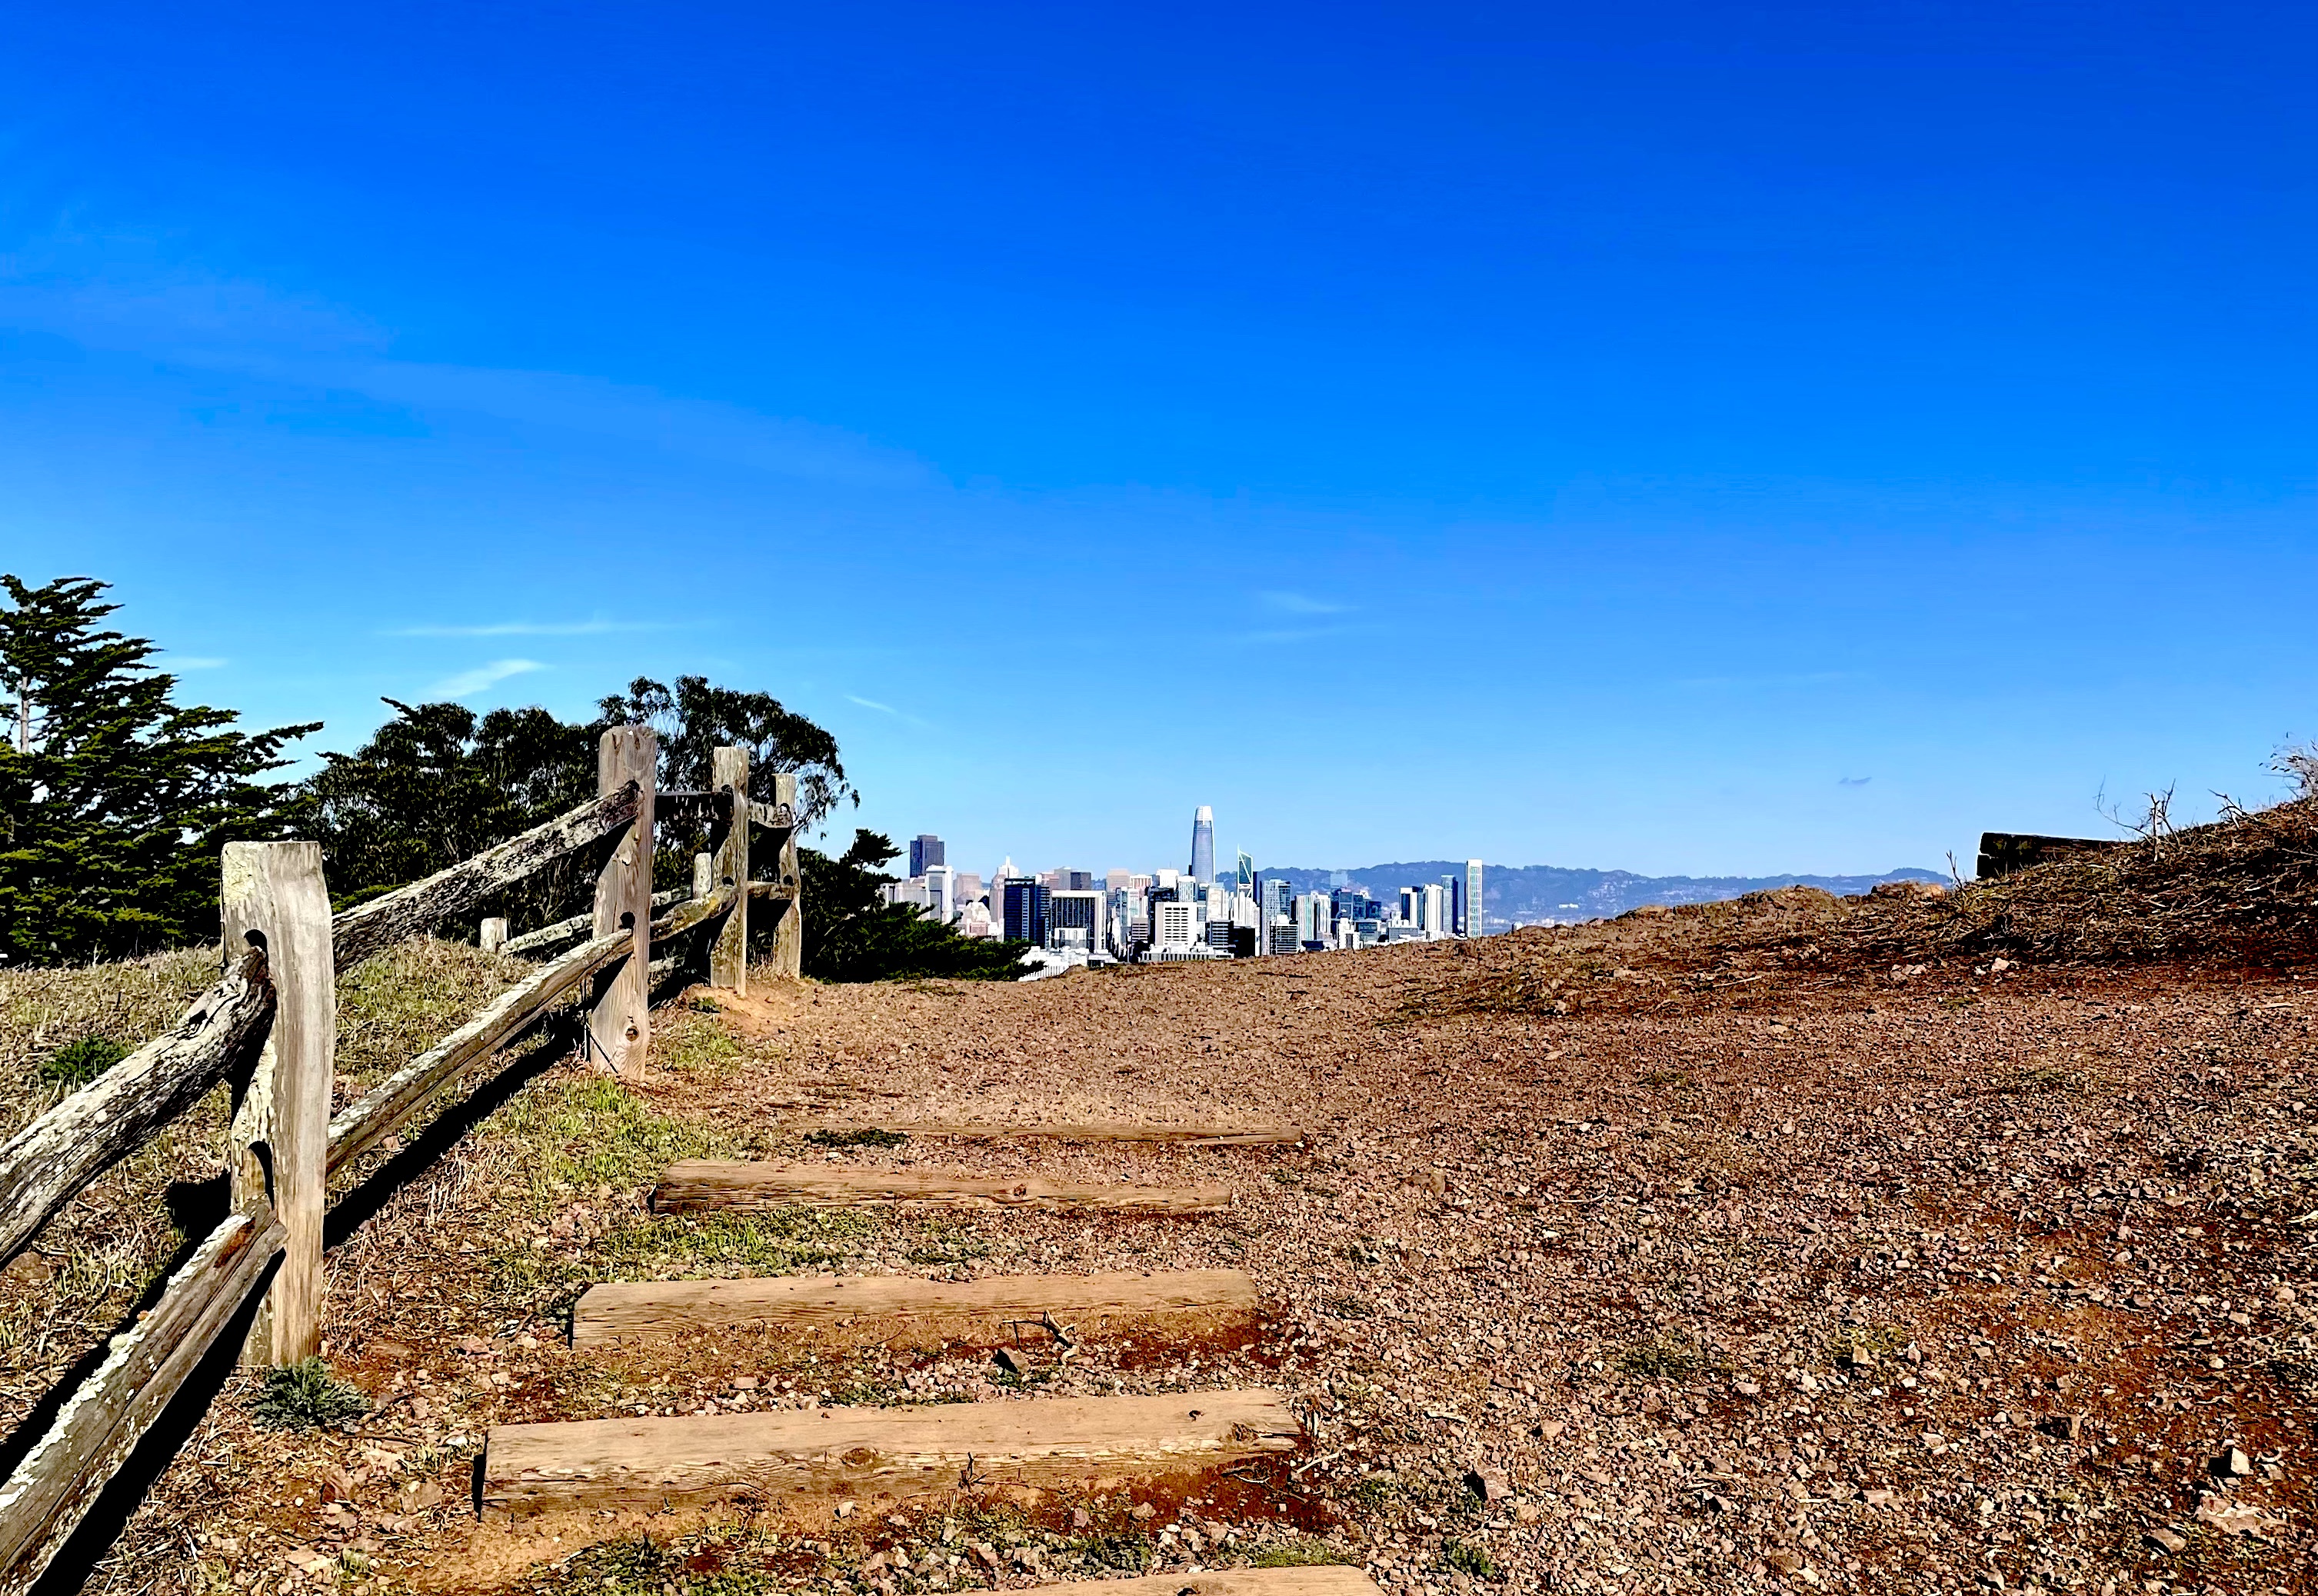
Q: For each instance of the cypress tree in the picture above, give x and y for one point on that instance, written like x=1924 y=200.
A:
x=114 y=799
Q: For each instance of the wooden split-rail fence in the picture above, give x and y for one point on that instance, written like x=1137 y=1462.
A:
x=268 y=1027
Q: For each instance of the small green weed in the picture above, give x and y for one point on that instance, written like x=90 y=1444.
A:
x=1469 y=1559
x=1376 y=1492
x=1299 y=1553
x=867 y=1136
x=1129 y=1554
x=2043 y=1077
x=78 y=1063
x=1666 y=1077
x=305 y=1395
x=1668 y=1358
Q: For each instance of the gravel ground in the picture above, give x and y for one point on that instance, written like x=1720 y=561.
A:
x=1673 y=1271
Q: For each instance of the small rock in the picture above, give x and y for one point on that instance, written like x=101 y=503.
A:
x=2233 y=1464
x=1551 y=1430
x=1144 y=1512
x=2165 y=1540
x=2236 y=1518
x=1081 y=1519
x=1006 y=1360
x=1489 y=1488
x=1783 y=1561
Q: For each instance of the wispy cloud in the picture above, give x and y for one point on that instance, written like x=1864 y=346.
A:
x=1302 y=604
x=900 y=714
x=468 y=683
x=197 y=662
x=1792 y=679
x=1852 y=780
x=1288 y=635
x=125 y=292
x=587 y=629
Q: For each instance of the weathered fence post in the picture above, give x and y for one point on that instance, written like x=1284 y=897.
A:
x=728 y=960
x=619 y=1027
x=703 y=876
x=493 y=935
x=788 y=935
x=279 y=1145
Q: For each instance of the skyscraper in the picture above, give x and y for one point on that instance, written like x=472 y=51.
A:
x=1476 y=922
x=1025 y=910
x=925 y=849
x=1245 y=871
x=1203 y=843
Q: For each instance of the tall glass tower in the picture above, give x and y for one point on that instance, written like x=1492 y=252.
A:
x=1203 y=843
x=1476 y=922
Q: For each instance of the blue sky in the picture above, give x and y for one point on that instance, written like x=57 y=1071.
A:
x=1704 y=440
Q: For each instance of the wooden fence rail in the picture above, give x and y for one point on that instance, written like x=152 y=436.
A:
x=70 y=1145
x=453 y=894
x=269 y=1027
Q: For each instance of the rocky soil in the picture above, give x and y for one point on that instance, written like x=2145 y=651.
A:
x=1614 y=1261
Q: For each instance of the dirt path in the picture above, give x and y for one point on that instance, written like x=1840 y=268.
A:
x=1625 y=1279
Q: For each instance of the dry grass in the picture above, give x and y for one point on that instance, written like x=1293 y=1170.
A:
x=88 y=1269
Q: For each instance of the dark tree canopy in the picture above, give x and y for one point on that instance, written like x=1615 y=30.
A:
x=698 y=717
x=852 y=934
x=115 y=801
x=439 y=784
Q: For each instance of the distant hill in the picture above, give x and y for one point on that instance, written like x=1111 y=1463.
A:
x=1528 y=895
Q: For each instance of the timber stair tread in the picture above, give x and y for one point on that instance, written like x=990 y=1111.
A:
x=613 y=1314
x=894 y=1452
x=1323 y=1581
x=1228 y=1133
x=698 y=1184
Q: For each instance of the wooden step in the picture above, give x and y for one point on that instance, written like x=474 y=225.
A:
x=1204 y=1135
x=1228 y=1582
x=609 y=1314
x=703 y=1183
x=875 y=1452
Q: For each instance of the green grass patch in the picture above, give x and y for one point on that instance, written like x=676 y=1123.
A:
x=697 y=1047
x=572 y=1135
x=305 y=1395
x=78 y=1063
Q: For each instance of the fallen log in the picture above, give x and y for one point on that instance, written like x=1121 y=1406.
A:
x=392 y=1101
x=454 y=892
x=702 y=1183
x=610 y=1314
x=70 y=1145
x=895 y=1452
x=61 y=1478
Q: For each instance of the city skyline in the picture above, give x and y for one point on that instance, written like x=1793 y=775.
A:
x=1069 y=915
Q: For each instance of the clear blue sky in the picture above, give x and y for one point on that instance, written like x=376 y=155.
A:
x=1686 y=439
